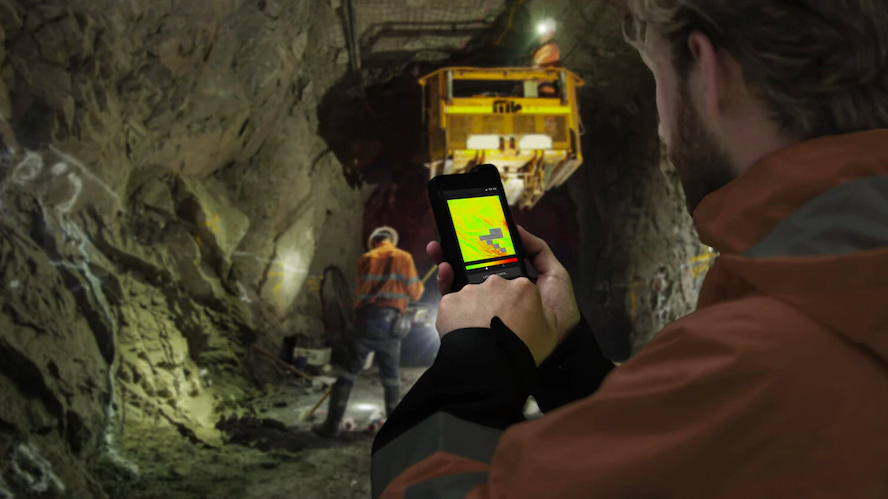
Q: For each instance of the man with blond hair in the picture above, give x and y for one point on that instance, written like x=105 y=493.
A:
x=774 y=113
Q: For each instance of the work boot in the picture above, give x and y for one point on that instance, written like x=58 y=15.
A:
x=392 y=397
x=335 y=411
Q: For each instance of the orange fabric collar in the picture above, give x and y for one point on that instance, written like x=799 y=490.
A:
x=740 y=214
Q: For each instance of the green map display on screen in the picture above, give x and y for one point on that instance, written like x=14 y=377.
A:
x=481 y=228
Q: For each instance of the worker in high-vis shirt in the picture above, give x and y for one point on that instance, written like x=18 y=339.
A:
x=774 y=114
x=387 y=281
x=547 y=55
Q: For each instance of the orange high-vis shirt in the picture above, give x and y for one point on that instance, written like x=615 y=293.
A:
x=387 y=277
x=547 y=56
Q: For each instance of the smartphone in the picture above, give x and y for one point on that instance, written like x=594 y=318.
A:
x=475 y=226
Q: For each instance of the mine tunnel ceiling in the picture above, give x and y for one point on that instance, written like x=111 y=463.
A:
x=499 y=32
x=430 y=35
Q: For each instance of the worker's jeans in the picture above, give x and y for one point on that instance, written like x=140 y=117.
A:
x=373 y=328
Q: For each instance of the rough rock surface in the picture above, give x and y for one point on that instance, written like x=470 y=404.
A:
x=262 y=457
x=166 y=202
x=642 y=264
x=172 y=185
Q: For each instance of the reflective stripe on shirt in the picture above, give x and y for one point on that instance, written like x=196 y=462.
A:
x=388 y=296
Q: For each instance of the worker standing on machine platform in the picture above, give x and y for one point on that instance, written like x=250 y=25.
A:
x=387 y=281
x=547 y=55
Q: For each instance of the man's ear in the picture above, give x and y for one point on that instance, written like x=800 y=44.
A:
x=712 y=75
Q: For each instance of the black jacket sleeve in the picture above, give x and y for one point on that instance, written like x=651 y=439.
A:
x=485 y=376
x=574 y=371
x=480 y=375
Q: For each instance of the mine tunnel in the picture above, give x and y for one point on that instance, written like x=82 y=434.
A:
x=188 y=187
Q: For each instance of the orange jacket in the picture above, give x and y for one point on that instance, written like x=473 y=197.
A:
x=547 y=55
x=387 y=277
x=777 y=386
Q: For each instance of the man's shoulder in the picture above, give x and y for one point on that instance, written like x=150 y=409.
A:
x=385 y=253
x=760 y=329
x=759 y=345
x=401 y=254
x=754 y=343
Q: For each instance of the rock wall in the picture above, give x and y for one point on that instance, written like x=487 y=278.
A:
x=642 y=263
x=637 y=263
x=168 y=200
x=165 y=200
x=174 y=177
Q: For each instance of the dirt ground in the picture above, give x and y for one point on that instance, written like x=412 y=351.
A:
x=277 y=457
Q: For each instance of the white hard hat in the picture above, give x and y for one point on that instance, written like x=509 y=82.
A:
x=383 y=231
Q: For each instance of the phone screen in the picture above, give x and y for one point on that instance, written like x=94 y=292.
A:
x=485 y=242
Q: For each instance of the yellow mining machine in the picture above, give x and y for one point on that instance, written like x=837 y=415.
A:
x=497 y=116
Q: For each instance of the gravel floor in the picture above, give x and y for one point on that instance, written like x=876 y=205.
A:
x=295 y=464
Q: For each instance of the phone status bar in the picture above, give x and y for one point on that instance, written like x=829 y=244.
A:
x=468 y=193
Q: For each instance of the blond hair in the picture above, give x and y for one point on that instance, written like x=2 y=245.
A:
x=820 y=65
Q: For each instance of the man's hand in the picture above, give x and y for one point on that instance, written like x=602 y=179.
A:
x=516 y=302
x=553 y=282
